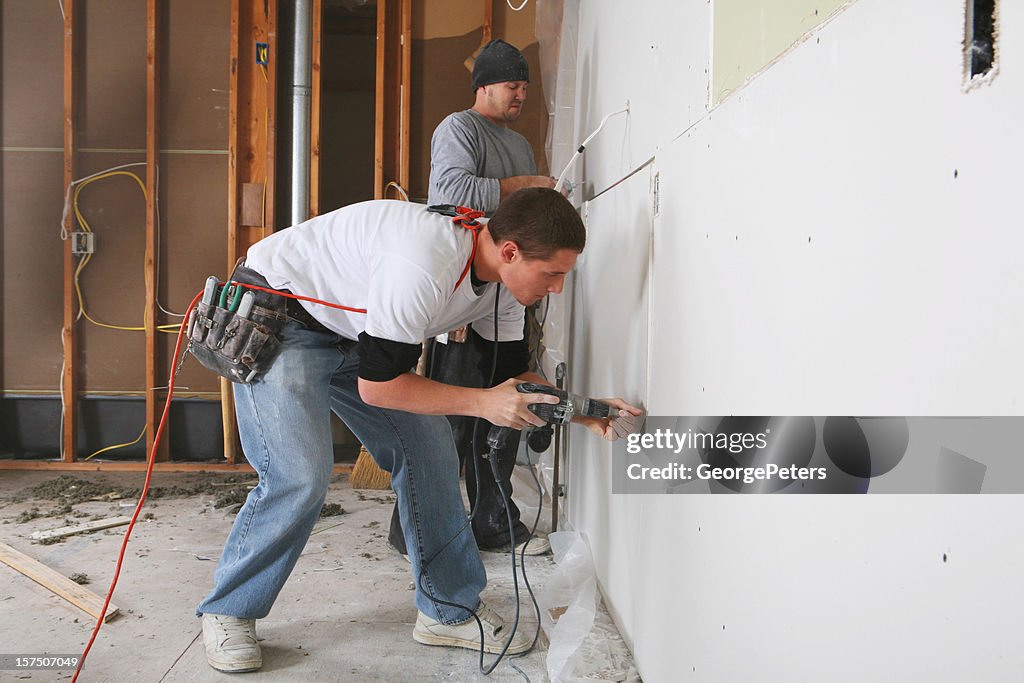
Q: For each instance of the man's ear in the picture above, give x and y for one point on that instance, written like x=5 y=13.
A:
x=509 y=251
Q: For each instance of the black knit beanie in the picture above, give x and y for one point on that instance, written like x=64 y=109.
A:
x=499 y=62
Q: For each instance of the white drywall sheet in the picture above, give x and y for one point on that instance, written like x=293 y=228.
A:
x=840 y=236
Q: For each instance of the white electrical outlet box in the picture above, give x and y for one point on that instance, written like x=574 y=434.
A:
x=83 y=242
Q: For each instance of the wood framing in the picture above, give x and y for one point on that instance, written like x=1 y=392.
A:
x=394 y=60
x=152 y=246
x=227 y=407
x=82 y=598
x=488 y=21
x=405 y=99
x=314 y=109
x=73 y=529
x=252 y=91
x=380 y=109
x=69 y=382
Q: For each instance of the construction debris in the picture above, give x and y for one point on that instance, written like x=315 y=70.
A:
x=80 y=528
x=66 y=588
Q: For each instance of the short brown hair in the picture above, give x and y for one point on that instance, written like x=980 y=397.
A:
x=540 y=220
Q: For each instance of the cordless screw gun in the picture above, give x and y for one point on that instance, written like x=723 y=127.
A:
x=553 y=413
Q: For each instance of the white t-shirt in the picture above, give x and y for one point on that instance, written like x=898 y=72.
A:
x=394 y=259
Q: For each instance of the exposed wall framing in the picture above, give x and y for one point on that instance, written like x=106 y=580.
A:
x=117 y=119
x=69 y=383
x=183 y=115
x=152 y=163
x=394 y=69
x=314 y=108
x=251 y=125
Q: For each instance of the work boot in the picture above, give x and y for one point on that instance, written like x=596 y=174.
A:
x=467 y=634
x=231 y=643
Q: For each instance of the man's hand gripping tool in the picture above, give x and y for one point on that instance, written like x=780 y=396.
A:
x=559 y=413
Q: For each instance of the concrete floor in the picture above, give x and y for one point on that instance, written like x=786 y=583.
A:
x=346 y=614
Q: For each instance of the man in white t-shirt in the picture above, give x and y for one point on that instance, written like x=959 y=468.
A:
x=407 y=274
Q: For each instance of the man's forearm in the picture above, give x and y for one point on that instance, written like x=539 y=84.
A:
x=416 y=394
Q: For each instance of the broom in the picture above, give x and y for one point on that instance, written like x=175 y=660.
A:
x=366 y=473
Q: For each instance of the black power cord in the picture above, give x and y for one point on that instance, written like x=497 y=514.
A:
x=492 y=456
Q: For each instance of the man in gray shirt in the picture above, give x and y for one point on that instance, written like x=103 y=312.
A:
x=476 y=161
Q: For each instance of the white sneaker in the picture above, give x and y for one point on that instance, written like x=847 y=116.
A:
x=467 y=634
x=231 y=643
x=538 y=545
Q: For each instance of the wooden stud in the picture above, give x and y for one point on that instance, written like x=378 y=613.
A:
x=270 y=108
x=394 y=51
x=378 y=125
x=152 y=247
x=46 y=577
x=488 y=21
x=95 y=525
x=233 y=180
x=69 y=388
x=405 y=97
x=314 y=109
x=226 y=404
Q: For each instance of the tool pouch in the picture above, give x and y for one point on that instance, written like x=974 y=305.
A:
x=240 y=348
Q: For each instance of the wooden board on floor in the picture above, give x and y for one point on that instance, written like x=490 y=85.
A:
x=95 y=525
x=78 y=596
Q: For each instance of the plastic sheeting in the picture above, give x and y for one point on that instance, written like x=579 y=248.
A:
x=568 y=602
x=584 y=644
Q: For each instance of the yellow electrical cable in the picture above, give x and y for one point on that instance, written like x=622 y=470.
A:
x=401 y=190
x=167 y=329
x=120 y=445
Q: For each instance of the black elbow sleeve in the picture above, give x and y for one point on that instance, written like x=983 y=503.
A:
x=381 y=360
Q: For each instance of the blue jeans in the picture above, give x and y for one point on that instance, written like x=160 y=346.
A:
x=284 y=424
x=463 y=364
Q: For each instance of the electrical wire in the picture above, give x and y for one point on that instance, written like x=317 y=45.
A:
x=469 y=520
x=120 y=445
x=95 y=176
x=179 y=357
x=79 y=186
x=579 y=150
x=516 y=9
x=486 y=670
x=401 y=191
x=175 y=366
x=472 y=512
x=74 y=183
x=539 y=351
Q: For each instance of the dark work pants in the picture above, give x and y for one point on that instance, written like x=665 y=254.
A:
x=460 y=364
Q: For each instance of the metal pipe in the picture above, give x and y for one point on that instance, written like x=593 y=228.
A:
x=301 y=93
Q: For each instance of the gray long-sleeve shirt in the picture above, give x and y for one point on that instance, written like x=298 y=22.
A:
x=468 y=155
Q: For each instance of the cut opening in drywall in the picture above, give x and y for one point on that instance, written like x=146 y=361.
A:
x=980 y=38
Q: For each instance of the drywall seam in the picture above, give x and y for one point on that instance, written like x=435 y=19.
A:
x=725 y=94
